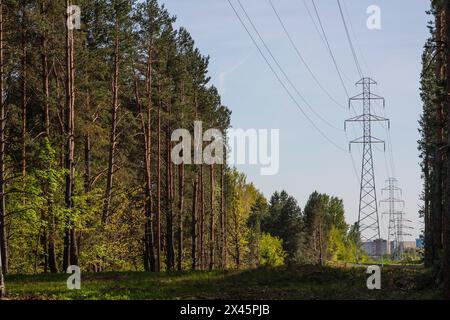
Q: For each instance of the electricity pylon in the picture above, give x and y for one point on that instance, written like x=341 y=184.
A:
x=368 y=222
x=395 y=231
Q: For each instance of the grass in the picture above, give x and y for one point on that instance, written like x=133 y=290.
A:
x=305 y=282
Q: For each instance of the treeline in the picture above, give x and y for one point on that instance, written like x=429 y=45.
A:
x=86 y=170
x=316 y=235
x=434 y=143
x=86 y=175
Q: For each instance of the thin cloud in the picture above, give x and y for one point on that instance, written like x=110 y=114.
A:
x=224 y=74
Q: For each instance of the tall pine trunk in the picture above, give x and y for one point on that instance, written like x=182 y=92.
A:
x=113 y=131
x=169 y=197
x=223 y=217
x=194 y=222
x=3 y=241
x=180 y=216
x=437 y=205
x=202 y=220
x=24 y=98
x=51 y=249
x=45 y=75
x=211 y=219
x=428 y=232
x=70 y=245
x=446 y=217
x=158 y=190
x=149 y=254
x=180 y=198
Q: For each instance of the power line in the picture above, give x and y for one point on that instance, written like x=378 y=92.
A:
x=327 y=44
x=355 y=56
x=324 y=38
x=314 y=22
x=352 y=30
x=281 y=82
x=329 y=49
x=282 y=70
x=388 y=133
x=302 y=59
x=358 y=67
x=309 y=69
x=390 y=147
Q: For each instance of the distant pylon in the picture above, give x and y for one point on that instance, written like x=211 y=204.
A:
x=368 y=222
x=395 y=231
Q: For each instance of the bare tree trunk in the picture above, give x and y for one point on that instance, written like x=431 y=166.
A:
x=44 y=242
x=70 y=246
x=45 y=75
x=87 y=163
x=52 y=223
x=194 y=222
x=158 y=191
x=437 y=205
x=148 y=158
x=211 y=219
x=61 y=117
x=180 y=215
x=446 y=218
x=3 y=243
x=52 y=264
x=149 y=254
x=428 y=232
x=237 y=257
x=169 y=197
x=73 y=242
x=180 y=198
x=320 y=245
x=222 y=217
x=225 y=219
x=50 y=243
x=113 y=132
x=202 y=220
x=23 y=102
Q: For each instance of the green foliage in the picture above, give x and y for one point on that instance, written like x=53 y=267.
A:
x=243 y=236
x=160 y=68
x=285 y=222
x=34 y=202
x=271 y=253
x=157 y=65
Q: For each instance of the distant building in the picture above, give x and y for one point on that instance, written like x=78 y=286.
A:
x=376 y=248
x=408 y=245
x=404 y=245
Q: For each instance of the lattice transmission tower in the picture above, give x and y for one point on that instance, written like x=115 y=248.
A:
x=368 y=222
x=396 y=223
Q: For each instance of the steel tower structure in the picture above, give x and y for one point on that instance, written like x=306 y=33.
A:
x=368 y=222
x=395 y=230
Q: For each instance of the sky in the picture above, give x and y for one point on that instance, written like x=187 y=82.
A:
x=308 y=162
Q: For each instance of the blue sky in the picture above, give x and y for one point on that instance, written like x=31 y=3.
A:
x=308 y=162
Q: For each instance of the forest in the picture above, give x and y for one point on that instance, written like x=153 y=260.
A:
x=86 y=172
x=87 y=176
